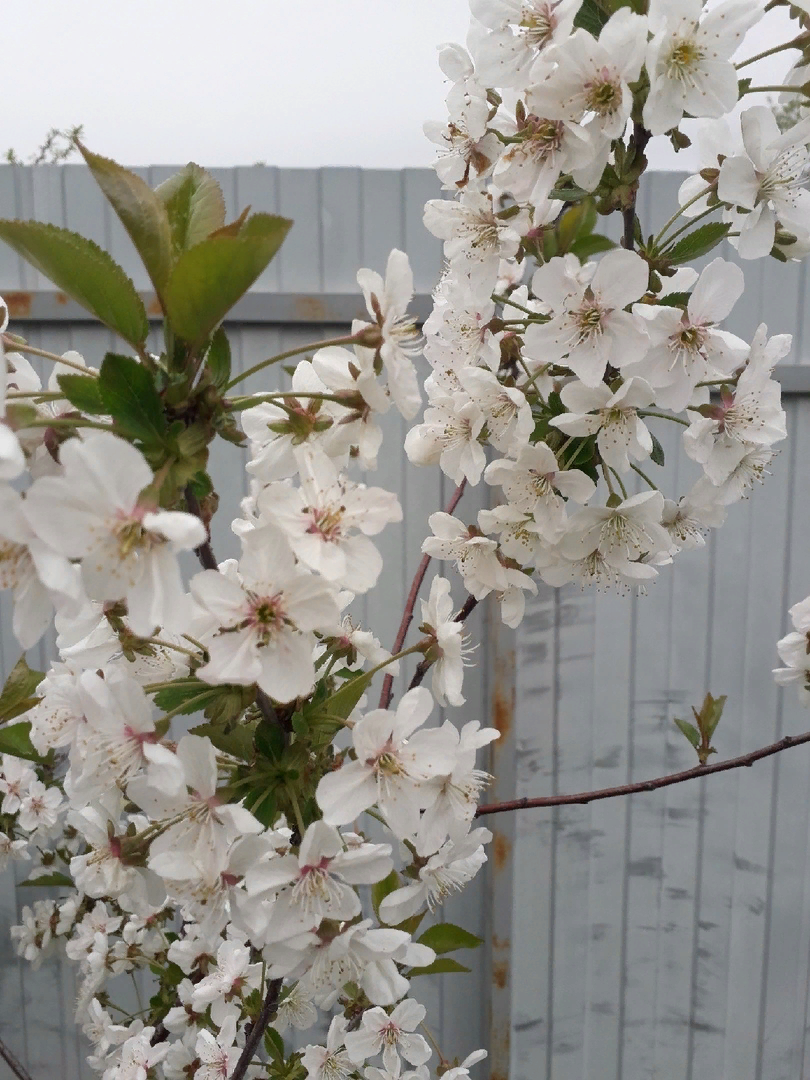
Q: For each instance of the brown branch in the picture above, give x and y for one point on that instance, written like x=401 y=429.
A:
x=18 y=1069
x=258 y=1029
x=205 y=553
x=388 y=682
x=425 y=664
x=582 y=798
x=639 y=141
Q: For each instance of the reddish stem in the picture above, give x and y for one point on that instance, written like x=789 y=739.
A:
x=388 y=682
x=582 y=798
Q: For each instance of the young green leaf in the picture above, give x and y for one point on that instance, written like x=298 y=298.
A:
x=381 y=889
x=218 y=359
x=15 y=739
x=690 y=731
x=17 y=695
x=81 y=269
x=210 y=277
x=699 y=242
x=194 y=204
x=594 y=244
x=130 y=397
x=446 y=937
x=443 y=965
x=141 y=212
x=82 y=391
x=45 y=881
x=657 y=454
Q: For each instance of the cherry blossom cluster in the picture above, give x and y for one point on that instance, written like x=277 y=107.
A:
x=277 y=861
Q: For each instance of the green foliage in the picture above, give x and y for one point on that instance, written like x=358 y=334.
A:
x=18 y=694
x=209 y=278
x=81 y=269
x=707 y=719
x=657 y=451
x=141 y=212
x=381 y=889
x=698 y=242
x=591 y=17
x=82 y=391
x=442 y=965
x=15 y=739
x=51 y=880
x=218 y=359
x=194 y=206
x=128 y=392
x=446 y=937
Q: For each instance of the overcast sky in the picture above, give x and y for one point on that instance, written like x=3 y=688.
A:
x=285 y=82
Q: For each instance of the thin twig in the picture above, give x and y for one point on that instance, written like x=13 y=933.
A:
x=388 y=682
x=258 y=1029
x=425 y=665
x=582 y=798
x=16 y=1067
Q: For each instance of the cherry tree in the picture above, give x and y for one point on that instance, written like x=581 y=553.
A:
x=232 y=855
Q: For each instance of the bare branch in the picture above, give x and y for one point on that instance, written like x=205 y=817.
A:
x=582 y=798
x=258 y=1029
x=19 y=1070
x=410 y=604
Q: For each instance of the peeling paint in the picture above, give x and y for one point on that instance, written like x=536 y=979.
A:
x=501 y=848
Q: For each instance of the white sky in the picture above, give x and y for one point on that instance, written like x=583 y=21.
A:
x=285 y=82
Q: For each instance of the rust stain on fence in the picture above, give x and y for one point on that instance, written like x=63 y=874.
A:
x=18 y=304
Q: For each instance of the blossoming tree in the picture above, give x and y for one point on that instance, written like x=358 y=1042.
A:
x=236 y=862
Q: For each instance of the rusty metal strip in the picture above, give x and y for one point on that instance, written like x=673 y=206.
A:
x=50 y=306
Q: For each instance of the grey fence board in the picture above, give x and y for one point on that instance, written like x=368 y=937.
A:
x=664 y=936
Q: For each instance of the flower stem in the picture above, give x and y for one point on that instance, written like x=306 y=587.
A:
x=619 y=481
x=678 y=213
x=691 y=222
x=312 y=346
x=796 y=43
x=663 y=416
x=170 y=645
x=69 y=422
x=239 y=403
x=15 y=346
x=776 y=90
x=643 y=476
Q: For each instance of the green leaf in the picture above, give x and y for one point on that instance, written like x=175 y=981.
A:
x=269 y=740
x=591 y=17
x=15 y=739
x=443 y=965
x=697 y=243
x=236 y=739
x=575 y=223
x=344 y=700
x=381 y=889
x=130 y=397
x=81 y=269
x=445 y=937
x=18 y=692
x=45 y=881
x=172 y=697
x=194 y=204
x=210 y=277
x=594 y=244
x=83 y=392
x=657 y=451
x=218 y=359
x=141 y=212
x=690 y=731
x=274 y=1044
x=675 y=299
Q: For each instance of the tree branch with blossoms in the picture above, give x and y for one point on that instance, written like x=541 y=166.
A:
x=194 y=772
